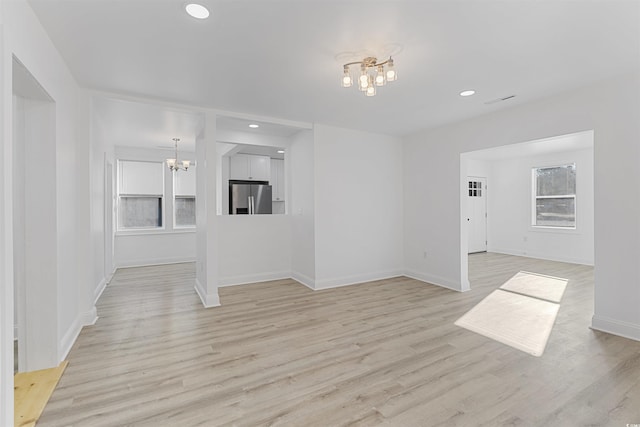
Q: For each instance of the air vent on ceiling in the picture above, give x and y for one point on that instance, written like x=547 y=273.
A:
x=499 y=99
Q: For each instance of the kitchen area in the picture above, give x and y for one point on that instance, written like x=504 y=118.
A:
x=254 y=179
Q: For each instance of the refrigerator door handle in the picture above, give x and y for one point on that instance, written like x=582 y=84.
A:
x=253 y=205
x=249 y=210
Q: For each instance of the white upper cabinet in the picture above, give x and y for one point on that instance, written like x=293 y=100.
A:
x=277 y=180
x=250 y=167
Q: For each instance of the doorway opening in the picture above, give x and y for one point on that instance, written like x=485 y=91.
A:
x=34 y=223
x=516 y=201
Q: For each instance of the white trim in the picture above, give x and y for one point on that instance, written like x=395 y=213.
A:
x=125 y=232
x=83 y=319
x=99 y=290
x=208 y=300
x=151 y=262
x=355 y=279
x=616 y=327
x=304 y=280
x=436 y=280
x=252 y=278
x=569 y=260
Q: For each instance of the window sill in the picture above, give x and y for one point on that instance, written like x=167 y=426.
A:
x=553 y=230
x=155 y=232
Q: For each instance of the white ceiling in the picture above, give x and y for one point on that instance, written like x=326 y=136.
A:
x=265 y=128
x=134 y=124
x=284 y=58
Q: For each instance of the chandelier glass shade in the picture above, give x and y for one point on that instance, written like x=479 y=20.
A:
x=371 y=74
x=175 y=164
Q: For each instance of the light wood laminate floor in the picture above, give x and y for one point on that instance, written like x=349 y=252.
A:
x=380 y=353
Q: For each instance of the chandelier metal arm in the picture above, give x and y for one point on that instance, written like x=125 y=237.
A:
x=368 y=62
x=175 y=164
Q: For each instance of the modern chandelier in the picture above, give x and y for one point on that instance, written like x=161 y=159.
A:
x=372 y=73
x=175 y=164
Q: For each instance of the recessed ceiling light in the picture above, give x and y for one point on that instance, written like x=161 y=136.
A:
x=197 y=10
x=467 y=92
x=254 y=126
x=280 y=151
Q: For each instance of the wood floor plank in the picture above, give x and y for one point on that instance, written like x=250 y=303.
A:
x=31 y=392
x=380 y=353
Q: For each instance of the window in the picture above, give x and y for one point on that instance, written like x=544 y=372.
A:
x=140 y=212
x=184 y=205
x=475 y=188
x=140 y=195
x=555 y=196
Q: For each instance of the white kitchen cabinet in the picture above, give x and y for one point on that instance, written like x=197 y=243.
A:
x=277 y=180
x=250 y=167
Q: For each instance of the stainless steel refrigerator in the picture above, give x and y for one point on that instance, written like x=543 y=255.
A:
x=249 y=197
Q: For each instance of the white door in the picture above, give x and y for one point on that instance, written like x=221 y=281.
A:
x=477 y=213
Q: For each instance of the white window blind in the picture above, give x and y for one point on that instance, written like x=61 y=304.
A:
x=141 y=178
x=185 y=182
x=141 y=192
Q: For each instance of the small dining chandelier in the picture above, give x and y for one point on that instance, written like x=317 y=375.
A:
x=372 y=73
x=175 y=164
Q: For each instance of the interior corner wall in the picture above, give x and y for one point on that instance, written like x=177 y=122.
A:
x=6 y=236
x=301 y=206
x=510 y=201
x=206 y=283
x=24 y=37
x=358 y=206
x=432 y=185
x=101 y=156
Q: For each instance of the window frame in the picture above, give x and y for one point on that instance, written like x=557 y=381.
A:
x=139 y=230
x=535 y=197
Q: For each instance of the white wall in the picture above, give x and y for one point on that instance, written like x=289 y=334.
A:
x=206 y=223
x=24 y=37
x=300 y=166
x=134 y=250
x=510 y=203
x=478 y=168
x=35 y=233
x=253 y=248
x=433 y=180
x=358 y=206
x=6 y=235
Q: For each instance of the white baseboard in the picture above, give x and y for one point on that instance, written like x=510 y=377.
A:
x=208 y=300
x=83 y=319
x=355 y=279
x=151 y=262
x=252 y=278
x=435 y=280
x=545 y=257
x=616 y=327
x=303 y=279
x=99 y=290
